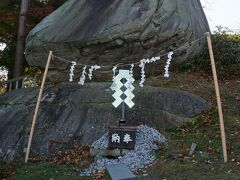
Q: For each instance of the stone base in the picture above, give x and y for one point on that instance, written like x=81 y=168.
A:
x=120 y=171
x=98 y=153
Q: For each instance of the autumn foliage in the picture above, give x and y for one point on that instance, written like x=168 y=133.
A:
x=9 y=14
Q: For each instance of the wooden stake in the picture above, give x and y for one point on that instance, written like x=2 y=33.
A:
x=37 y=106
x=219 y=105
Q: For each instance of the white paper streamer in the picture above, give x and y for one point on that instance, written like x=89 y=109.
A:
x=166 y=68
x=143 y=62
x=71 y=74
x=91 y=69
x=131 y=80
x=157 y=58
x=131 y=70
x=83 y=76
x=142 y=66
x=113 y=86
x=114 y=71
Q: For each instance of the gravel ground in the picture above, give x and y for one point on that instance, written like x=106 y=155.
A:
x=146 y=141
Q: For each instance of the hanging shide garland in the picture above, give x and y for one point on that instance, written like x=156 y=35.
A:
x=142 y=63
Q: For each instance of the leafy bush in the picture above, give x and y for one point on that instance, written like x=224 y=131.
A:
x=226 y=48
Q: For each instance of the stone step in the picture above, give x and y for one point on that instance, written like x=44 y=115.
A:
x=120 y=171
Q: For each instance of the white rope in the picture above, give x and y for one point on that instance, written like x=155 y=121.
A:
x=141 y=63
x=122 y=65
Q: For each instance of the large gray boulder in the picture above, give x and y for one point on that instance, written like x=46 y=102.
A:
x=109 y=32
x=73 y=113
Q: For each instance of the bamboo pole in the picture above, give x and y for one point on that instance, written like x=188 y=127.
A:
x=37 y=106
x=219 y=105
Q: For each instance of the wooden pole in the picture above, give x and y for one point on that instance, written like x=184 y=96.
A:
x=37 y=106
x=19 y=56
x=219 y=105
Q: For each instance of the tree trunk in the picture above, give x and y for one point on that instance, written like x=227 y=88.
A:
x=19 y=59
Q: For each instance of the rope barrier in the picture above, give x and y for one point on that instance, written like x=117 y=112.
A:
x=128 y=64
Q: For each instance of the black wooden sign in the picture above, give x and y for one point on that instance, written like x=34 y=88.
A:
x=122 y=137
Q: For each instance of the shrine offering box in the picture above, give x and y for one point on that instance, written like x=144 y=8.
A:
x=123 y=137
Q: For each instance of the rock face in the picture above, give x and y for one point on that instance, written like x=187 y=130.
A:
x=72 y=113
x=109 y=32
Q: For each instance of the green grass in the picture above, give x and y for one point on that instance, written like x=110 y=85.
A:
x=207 y=162
x=193 y=169
x=44 y=170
